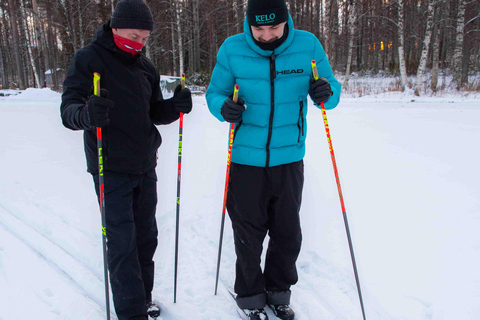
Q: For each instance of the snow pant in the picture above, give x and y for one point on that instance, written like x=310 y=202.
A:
x=262 y=200
x=130 y=204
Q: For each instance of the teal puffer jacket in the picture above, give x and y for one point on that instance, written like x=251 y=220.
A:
x=274 y=86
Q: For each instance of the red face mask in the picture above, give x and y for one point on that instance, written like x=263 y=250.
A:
x=128 y=45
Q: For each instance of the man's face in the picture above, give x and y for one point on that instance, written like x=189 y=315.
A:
x=268 y=34
x=136 y=35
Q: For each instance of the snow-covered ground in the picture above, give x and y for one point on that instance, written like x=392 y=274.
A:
x=410 y=177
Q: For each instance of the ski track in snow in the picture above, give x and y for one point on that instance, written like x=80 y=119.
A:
x=51 y=261
x=50 y=241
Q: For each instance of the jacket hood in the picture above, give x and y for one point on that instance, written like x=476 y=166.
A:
x=266 y=53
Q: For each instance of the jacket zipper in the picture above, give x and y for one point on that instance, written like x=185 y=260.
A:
x=272 y=104
x=300 y=118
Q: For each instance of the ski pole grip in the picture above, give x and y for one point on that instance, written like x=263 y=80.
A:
x=96 y=91
x=314 y=70
x=235 y=93
x=182 y=81
x=96 y=83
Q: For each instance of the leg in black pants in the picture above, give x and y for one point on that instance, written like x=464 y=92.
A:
x=285 y=233
x=262 y=200
x=130 y=203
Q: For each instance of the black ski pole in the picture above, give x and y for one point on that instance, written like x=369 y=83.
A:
x=179 y=175
x=340 y=194
x=96 y=91
x=230 y=144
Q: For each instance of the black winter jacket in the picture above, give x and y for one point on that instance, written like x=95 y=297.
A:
x=130 y=140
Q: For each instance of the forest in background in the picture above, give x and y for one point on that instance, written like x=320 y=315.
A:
x=38 y=38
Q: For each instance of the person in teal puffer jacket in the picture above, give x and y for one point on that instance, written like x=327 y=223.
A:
x=271 y=63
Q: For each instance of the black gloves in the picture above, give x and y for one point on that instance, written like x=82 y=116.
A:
x=232 y=111
x=320 y=90
x=182 y=100
x=97 y=107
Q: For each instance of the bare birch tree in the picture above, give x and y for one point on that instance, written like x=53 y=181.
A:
x=351 y=28
x=426 y=45
x=401 y=46
x=457 y=55
x=181 y=54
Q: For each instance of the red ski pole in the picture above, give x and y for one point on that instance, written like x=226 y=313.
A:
x=179 y=175
x=227 y=177
x=96 y=91
x=340 y=194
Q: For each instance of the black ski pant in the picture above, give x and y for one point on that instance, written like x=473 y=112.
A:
x=130 y=204
x=262 y=200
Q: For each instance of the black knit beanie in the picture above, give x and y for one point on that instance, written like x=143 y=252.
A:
x=132 y=14
x=266 y=12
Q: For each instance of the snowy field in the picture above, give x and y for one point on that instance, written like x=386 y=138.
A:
x=410 y=177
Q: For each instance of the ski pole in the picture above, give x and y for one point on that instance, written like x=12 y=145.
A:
x=96 y=91
x=179 y=175
x=227 y=177
x=340 y=194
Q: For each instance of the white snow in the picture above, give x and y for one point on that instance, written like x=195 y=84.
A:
x=410 y=179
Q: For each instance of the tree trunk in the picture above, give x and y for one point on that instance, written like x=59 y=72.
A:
x=465 y=64
x=332 y=31
x=181 y=54
x=40 y=43
x=29 y=46
x=436 y=54
x=457 y=55
x=401 y=45
x=351 y=29
x=80 y=23
x=440 y=14
x=426 y=45
x=172 y=29
x=321 y=21
x=2 y=69
x=70 y=24
x=196 y=37
x=4 y=52
x=16 y=48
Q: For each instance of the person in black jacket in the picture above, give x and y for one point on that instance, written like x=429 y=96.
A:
x=129 y=107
